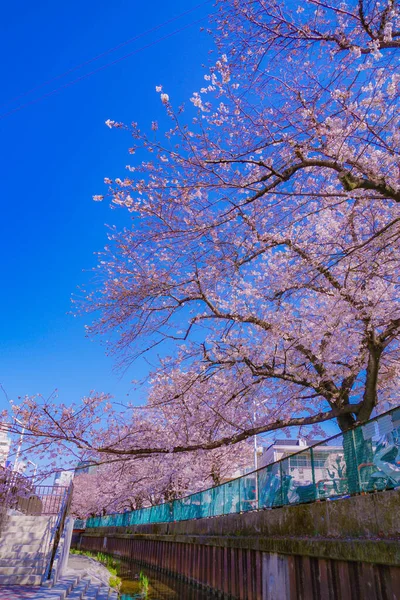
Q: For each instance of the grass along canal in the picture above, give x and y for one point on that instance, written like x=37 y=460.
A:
x=139 y=582
x=135 y=582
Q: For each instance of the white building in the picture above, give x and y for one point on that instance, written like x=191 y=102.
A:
x=328 y=460
x=63 y=478
x=85 y=466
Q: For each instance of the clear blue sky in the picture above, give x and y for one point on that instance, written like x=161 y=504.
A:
x=55 y=154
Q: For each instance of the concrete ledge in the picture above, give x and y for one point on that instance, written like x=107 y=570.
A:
x=386 y=552
x=365 y=516
x=363 y=528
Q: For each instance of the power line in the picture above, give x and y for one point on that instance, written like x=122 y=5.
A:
x=106 y=52
x=102 y=68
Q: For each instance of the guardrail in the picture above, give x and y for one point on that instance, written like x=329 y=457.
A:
x=10 y=483
x=57 y=532
x=18 y=493
x=363 y=459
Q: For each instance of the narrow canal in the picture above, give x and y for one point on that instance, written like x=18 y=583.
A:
x=139 y=583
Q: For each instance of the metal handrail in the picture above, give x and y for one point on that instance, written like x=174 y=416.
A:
x=58 y=528
x=18 y=492
x=12 y=485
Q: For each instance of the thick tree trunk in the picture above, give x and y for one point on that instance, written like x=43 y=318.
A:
x=346 y=422
x=371 y=382
x=357 y=450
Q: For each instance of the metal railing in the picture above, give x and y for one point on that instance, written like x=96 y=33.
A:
x=19 y=493
x=363 y=459
x=12 y=486
x=59 y=527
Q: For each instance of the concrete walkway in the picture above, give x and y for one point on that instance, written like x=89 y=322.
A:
x=18 y=592
x=60 y=590
x=80 y=570
x=84 y=566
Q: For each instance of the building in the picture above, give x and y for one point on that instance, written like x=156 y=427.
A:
x=328 y=461
x=5 y=445
x=63 y=478
x=85 y=466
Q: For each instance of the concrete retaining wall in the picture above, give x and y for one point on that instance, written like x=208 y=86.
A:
x=330 y=550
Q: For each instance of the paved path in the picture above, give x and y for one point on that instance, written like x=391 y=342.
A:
x=78 y=566
x=18 y=592
x=88 y=567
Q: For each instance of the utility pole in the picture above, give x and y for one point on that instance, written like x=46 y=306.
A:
x=21 y=439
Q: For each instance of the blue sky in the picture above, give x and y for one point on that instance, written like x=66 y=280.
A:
x=55 y=154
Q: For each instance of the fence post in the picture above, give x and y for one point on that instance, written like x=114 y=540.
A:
x=313 y=472
x=350 y=457
x=281 y=478
x=356 y=461
x=257 y=490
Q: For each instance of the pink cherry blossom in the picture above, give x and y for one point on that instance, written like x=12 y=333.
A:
x=263 y=257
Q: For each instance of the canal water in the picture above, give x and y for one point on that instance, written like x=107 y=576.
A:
x=141 y=583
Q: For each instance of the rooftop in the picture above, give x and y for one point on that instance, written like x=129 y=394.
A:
x=299 y=442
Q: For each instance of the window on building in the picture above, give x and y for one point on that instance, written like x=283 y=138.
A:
x=319 y=459
x=300 y=461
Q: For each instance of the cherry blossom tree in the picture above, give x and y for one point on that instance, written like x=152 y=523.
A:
x=135 y=483
x=328 y=78
x=264 y=243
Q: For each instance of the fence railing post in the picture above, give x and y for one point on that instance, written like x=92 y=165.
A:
x=257 y=490
x=313 y=472
x=356 y=462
